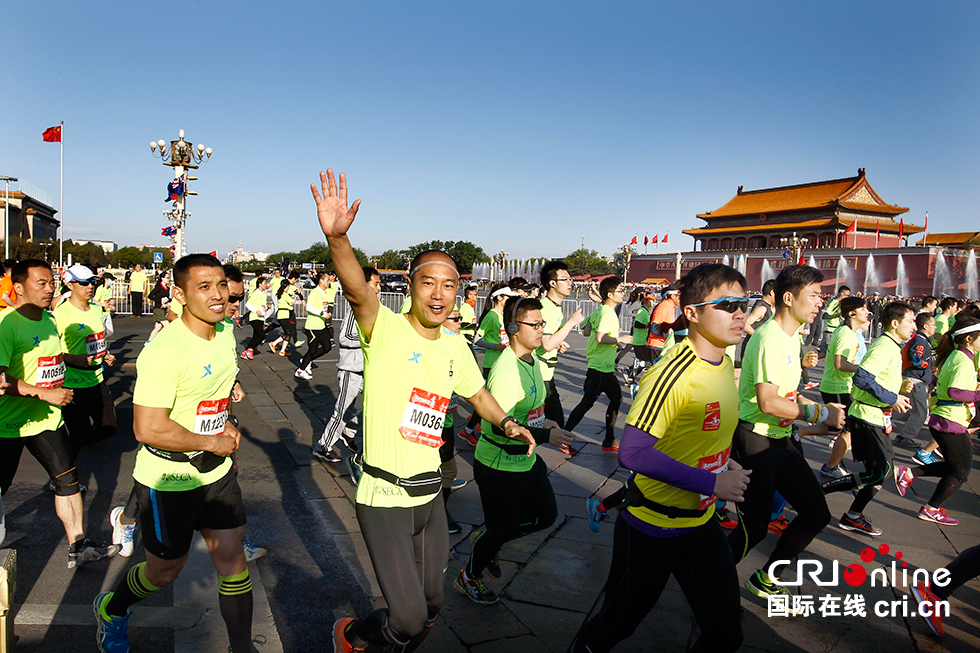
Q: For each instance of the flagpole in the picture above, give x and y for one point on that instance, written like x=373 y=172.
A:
x=61 y=202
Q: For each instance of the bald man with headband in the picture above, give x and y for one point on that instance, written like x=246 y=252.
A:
x=412 y=365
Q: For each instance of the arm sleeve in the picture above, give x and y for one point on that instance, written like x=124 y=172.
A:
x=966 y=396
x=638 y=452
x=866 y=381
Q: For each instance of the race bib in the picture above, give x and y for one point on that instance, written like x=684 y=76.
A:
x=535 y=417
x=453 y=404
x=972 y=407
x=791 y=395
x=887 y=413
x=50 y=372
x=715 y=464
x=504 y=338
x=423 y=418
x=95 y=344
x=211 y=417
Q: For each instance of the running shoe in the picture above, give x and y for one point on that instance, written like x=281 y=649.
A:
x=763 y=587
x=468 y=435
x=860 y=525
x=832 y=472
x=355 y=467
x=475 y=589
x=903 y=479
x=248 y=355
x=85 y=551
x=567 y=450
x=612 y=447
x=282 y=353
x=937 y=515
x=923 y=594
x=347 y=437
x=778 y=525
x=326 y=456
x=303 y=374
x=811 y=386
x=122 y=534
x=111 y=636
x=903 y=441
x=596 y=516
x=458 y=484
x=453 y=525
x=340 y=643
x=252 y=552
x=273 y=348
x=725 y=519
x=923 y=457
x=299 y=343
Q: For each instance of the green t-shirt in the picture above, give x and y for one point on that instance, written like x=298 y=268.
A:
x=285 y=302
x=604 y=322
x=771 y=356
x=274 y=283
x=468 y=315
x=102 y=293
x=554 y=319
x=833 y=310
x=257 y=301
x=331 y=293
x=884 y=361
x=408 y=383
x=192 y=378
x=82 y=333
x=493 y=332
x=31 y=352
x=316 y=303
x=958 y=371
x=844 y=343
x=640 y=335
x=406 y=306
x=137 y=281
x=519 y=388
x=942 y=326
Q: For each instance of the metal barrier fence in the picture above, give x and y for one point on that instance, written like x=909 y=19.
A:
x=392 y=300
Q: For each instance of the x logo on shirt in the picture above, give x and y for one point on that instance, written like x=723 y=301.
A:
x=415 y=357
x=207 y=371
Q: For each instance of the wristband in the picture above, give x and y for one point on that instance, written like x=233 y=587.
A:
x=503 y=422
x=809 y=413
x=824 y=414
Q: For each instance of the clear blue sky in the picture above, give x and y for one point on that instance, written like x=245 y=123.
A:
x=521 y=126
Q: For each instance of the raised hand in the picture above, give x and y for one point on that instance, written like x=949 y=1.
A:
x=331 y=206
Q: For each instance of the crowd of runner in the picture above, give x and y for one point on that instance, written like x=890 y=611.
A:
x=713 y=437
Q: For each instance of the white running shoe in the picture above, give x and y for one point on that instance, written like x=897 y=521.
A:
x=252 y=552
x=122 y=534
x=303 y=374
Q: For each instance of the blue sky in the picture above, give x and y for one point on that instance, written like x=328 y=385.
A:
x=521 y=126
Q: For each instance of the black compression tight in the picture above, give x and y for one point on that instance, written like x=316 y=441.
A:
x=597 y=383
x=318 y=344
x=954 y=470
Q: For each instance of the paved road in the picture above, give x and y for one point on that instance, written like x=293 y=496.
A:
x=317 y=568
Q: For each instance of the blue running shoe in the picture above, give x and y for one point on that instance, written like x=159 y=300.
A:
x=111 y=636
x=923 y=457
x=596 y=516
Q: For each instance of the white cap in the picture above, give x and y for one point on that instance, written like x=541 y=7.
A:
x=505 y=291
x=78 y=272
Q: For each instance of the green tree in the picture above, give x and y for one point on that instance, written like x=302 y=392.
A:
x=391 y=260
x=587 y=261
x=463 y=252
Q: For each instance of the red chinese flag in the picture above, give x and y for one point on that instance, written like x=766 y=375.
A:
x=214 y=254
x=646 y=240
x=901 y=229
x=633 y=242
x=802 y=260
x=52 y=134
x=654 y=239
x=852 y=229
x=664 y=241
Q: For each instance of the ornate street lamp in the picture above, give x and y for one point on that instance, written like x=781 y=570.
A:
x=180 y=155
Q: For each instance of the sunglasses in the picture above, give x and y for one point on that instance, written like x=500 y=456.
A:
x=87 y=282
x=234 y=299
x=458 y=318
x=728 y=304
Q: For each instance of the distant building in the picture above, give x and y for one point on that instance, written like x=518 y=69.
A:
x=107 y=245
x=30 y=218
x=240 y=256
x=953 y=240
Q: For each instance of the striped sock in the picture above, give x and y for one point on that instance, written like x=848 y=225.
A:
x=235 y=601
x=133 y=590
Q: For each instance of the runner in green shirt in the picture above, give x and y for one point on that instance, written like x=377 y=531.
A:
x=948 y=309
x=558 y=285
x=515 y=493
x=318 y=316
x=90 y=417
x=602 y=330
x=32 y=368
x=467 y=312
x=877 y=384
x=412 y=365
x=184 y=477
x=769 y=403
x=831 y=312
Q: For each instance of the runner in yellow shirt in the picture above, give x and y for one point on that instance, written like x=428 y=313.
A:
x=411 y=368
x=184 y=476
x=137 y=288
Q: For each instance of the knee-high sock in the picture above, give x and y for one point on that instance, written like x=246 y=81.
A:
x=133 y=589
x=235 y=602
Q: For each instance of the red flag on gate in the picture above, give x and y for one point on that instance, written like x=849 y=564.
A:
x=646 y=240
x=877 y=232
x=52 y=134
x=802 y=260
x=654 y=239
x=901 y=230
x=633 y=242
x=214 y=254
x=664 y=241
